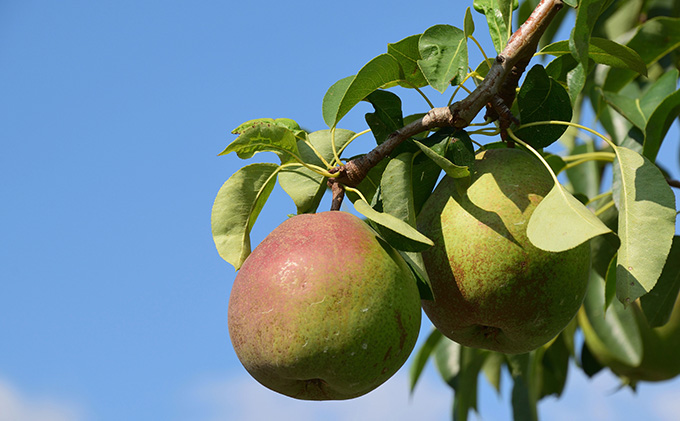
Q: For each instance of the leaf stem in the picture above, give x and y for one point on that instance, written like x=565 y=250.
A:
x=599 y=196
x=604 y=208
x=590 y=156
x=336 y=157
x=535 y=152
x=570 y=124
x=357 y=192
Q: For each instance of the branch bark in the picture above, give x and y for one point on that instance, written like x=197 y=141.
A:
x=500 y=83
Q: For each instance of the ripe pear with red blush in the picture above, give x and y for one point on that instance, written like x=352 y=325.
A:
x=324 y=309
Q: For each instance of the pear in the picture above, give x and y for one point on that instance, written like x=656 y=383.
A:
x=492 y=288
x=324 y=309
x=660 y=347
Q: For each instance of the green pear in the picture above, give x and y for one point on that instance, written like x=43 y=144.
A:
x=492 y=288
x=660 y=347
x=324 y=309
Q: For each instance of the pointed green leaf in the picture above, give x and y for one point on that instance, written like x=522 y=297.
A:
x=646 y=223
x=422 y=356
x=542 y=99
x=499 y=18
x=628 y=107
x=417 y=241
x=603 y=51
x=265 y=137
x=616 y=331
x=237 y=206
x=469 y=26
x=659 y=123
x=283 y=122
x=348 y=92
x=407 y=54
x=303 y=185
x=560 y=222
x=492 y=369
x=658 y=303
x=451 y=169
x=654 y=39
x=444 y=53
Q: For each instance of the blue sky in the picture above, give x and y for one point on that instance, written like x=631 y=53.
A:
x=113 y=298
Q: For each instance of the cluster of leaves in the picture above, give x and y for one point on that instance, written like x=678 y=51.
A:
x=625 y=68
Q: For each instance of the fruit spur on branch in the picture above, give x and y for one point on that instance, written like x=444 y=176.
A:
x=485 y=237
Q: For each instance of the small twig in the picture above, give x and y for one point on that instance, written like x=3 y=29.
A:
x=338 y=193
x=674 y=183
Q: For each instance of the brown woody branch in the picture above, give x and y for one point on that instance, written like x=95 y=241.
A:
x=499 y=87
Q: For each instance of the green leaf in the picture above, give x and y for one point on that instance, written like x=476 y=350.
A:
x=560 y=222
x=265 y=137
x=646 y=207
x=589 y=364
x=659 y=123
x=469 y=26
x=654 y=39
x=499 y=18
x=628 y=107
x=237 y=206
x=416 y=240
x=397 y=190
x=579 y=42
x=421 y=357
x=303 y=185
x=387 y=117
x=610 y=283
x=286 y=123
x=584 y=178
x=417 y=264
x=658 y=303
x=444 y=53
x=451 y=169
x=347 y=93
x=492 y=369
x=542 y=99
x=603 y=51
x=617 y=331
x=407 y=54
x=554 y=368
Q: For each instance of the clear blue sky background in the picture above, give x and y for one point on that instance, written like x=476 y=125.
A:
x=112 y=296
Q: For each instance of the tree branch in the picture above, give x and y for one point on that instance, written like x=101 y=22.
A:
x=501 y=81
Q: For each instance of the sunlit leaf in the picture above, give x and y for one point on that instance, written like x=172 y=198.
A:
x=499 y=18
x=560 y=222
x=646 y=207
x=303 y=185
x=444 y=53
x=265 y=137
x=451 y=169
x=348 y=92
x=407 y=54
x=603 y=51
x=414 y=240
x=469 y=26
x=237 y=206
